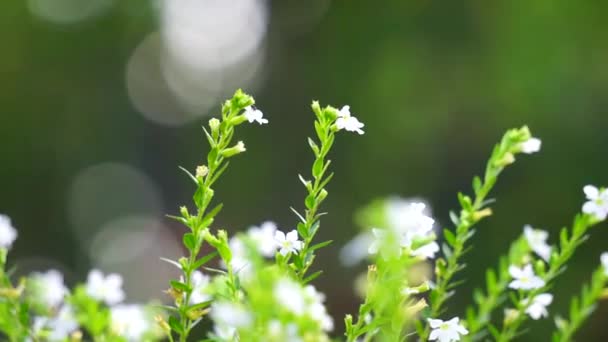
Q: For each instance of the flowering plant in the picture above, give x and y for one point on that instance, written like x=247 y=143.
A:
x=263 y=288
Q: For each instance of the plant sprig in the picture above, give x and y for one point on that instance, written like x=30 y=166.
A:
x=219 y=137
x=325 y=127
x=569 y=242
x=472 y=211
x=581 y=307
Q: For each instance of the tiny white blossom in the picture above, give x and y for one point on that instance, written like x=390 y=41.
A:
x=348 y=122
x=59 y=327
x=8 y=233
x=531 y=145
x=598 y=202
x=316 y=308
x=49 y=287
x=254 y=114
x=129 y=321
x=264 y=238
x=288 y=243
x=427 y=251
x=279 y=332
x=524 y=278
x=230 y=316
x=537 y=240
x=200 y=288
x=107 y=289
x=239 y=262
x=538 y=307
x=446 y=331
x=357 y=249
x=604 y=260
x=385 y=243
x=290 y=295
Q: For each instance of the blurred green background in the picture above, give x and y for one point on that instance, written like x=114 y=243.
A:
x=101 y=100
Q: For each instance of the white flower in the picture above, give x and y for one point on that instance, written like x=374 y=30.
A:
x=129 y=321
x=348 y=122
x=598 y=202
x=200 y=288
x=226 y=314
x=410 y=222
x=264 y=238
x=386 y=243
x=290 y=295
x=59 y=327
x=446 y=331
x=538 y=307
x=288 y=243
x=537 y=240
x=524 y=278
x=357 y=249
x=49 y=287
x=316 y=308
x=279 y=332
x=254 y=114
x=604 y=260
x=108 y=289
x=427 y=251
x=531 y=145
x=239 y=262
x=8 y=234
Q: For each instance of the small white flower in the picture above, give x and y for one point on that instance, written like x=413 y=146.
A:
x=290 y=295
x=129 y=321
x=427 y=251
x=348 y=122
x=264 y=238
x=524 y=278
x=200 y=288
x=598 y=202
x=446 y=331
x=604 y=260
x=538 y=307
x=240 y=147
x=386 y=243
x=531 y=145
x=59 y=327
x=357 y=249
x=49 y=287
x=537 y=240
x=226 y=314
x=254 y=114
x=288 y=243
x=319 y=313
x=279 y=332
x=8 y=234
x=107 y=289
x=240 y=262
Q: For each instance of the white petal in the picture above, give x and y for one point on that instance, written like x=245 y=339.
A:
x=279 y=236
x=544 y=299
x=591 y=192
x=435 y=323
x=515 y=271
x=292 y=235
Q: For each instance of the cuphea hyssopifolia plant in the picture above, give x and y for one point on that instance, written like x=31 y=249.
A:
x=293 y=257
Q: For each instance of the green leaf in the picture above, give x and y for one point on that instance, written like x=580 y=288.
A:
x=312 y=277
x=449 y=237
x=218 y=173
x=447 y=251
x=189 y=241
x=189 y=175
x=208 y=219
x=320 y=245
x=476 y=184
x=302 y=230
x=200 y=262
x=176 y=325
x=180 y=286
x=310 y=201
x=317 y=168
x=455 y=219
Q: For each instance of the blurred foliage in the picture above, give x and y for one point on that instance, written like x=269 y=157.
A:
x=435 y=82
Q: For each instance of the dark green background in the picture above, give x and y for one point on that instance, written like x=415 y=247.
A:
x=435 y=82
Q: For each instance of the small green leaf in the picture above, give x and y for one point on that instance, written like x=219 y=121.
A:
x=302 y=230
x=320 y=245
x=189 y=241
x=476 y=184
x=317 y=168
x=455 y=219
x=189 y=175
x=180 y=286
x=176 y=325
x=200 y=262
x=310 y=201
x=312 y=277
x=449 y=237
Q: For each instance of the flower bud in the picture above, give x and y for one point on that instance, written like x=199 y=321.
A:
x=163 y=324
x=236 y=149
x=214 y=124
x=184 y=211
x=511 y=316
x=321 y=196
x=201 y=171
x=507 y=159
x=478 y=215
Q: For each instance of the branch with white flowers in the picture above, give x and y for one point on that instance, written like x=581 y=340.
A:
x=301 y=254
x=189 y=308
x=532 y=282
x=472 y=211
